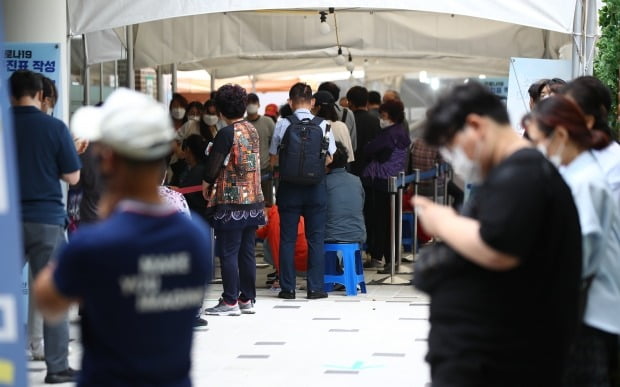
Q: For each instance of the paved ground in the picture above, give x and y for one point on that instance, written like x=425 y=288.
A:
x=372 y=339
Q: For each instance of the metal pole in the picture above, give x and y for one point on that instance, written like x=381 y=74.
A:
x=436 y=181
x=212 y=77
x=131 y=75
x=577 y=39
x=174 y=77
x=414 y=235
x=160 y=84
x=399 y=217
x=591 y=35
x=446 y=172
x=392 y=191
x=101 y=82
x=86 y=74
x=116 y=74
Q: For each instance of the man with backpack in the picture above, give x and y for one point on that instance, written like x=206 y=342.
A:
x=304 y=145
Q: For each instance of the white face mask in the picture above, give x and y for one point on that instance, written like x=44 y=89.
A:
x=50 y=111
x=210 y=119
x=193 y=118
x=385 y=123
x=469 y=170
x=252 y=109
x=555 y=159
x=178 y=113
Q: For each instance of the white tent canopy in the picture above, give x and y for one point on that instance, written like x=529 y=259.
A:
x=230 y=38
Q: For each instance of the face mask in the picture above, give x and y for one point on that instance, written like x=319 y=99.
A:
x=50 y=111
x=252 y=109
x=384 y=123
x=555 y=159
x=193 y=118
x=210 y=119
x=178 y=113
x=469 y=170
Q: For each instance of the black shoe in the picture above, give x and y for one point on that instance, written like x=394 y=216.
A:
x=387 y=269
x=200 y=322
x=67 y=376
x=272 y=275
x=287 y=294
x=270 y=281
x=316 y=295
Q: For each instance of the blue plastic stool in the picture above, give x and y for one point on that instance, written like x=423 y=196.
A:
x=407 y=231
x=352 y=269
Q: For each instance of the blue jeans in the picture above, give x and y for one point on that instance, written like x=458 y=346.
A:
x=309 y=201
x=236 y=251
x=40 y=243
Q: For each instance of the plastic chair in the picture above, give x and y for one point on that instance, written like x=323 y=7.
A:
x=350 y=273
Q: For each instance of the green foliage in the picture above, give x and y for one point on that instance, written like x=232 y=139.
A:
x=607 y=62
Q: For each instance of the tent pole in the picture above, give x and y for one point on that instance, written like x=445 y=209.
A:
x=174 y=77
x=577 y=40
x=591 y=35
x=212 y=77
x=131 y=75
x=116 y=74
x=160 y=84
x=101 y=82
x=86 y=74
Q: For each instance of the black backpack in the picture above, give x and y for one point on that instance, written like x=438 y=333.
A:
x=303 y=150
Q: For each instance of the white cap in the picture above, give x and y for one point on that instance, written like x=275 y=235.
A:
x=131 y=123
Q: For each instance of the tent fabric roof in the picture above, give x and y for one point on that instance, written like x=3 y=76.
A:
x=231 y=38
x=97 y=15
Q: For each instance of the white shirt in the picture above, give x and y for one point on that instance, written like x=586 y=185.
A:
x=341 y=133
x=609 y=161
x=599 y=218
x=283 y=124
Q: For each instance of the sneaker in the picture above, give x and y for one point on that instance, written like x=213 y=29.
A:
x=223 y=309
x=67 y=376
x=246 y=307
x=373 y=264
x=200 y=323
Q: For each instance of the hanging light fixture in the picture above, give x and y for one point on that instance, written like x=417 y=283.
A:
x=350 y=65
x=324 y=26
x=340 y=59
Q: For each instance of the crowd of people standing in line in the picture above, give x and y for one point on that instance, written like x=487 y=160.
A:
x=543 y=224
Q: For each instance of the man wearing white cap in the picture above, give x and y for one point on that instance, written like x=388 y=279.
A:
x=141 y=272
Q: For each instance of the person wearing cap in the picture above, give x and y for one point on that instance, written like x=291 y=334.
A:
x=264 y=125
x=271 y=111
x=231 y=185
x=141 y=272
x=344 y=113
x=325 y=107
x=46 y=154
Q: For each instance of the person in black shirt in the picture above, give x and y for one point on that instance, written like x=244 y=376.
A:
x=367 y=126
x=194 y=147
x=504 y=284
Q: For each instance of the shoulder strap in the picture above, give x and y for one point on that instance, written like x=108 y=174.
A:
x=293 y=119
x=317 y=120
x=344 y=114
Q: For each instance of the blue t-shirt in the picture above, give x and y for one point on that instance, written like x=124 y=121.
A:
x=141 y=276
x=45 y=151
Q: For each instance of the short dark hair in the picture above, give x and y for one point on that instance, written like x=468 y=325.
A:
x=176 y=97
x=327 y=111
x=593 y=97
x=231 y=101
x=300 y=92
x=209 y=103
x=555 y=85
x=340 y=158
x=194 y=104
x=49 y=89
x=253 y=98
x=358 y=96
x=332 y=88
x=25 y=83
x=448 y=115
x=285 y=110
x=535 y=89
x=374 y=97
x=394 y=109
x=196 y=144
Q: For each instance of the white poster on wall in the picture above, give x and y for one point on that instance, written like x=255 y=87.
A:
x=524 y=72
